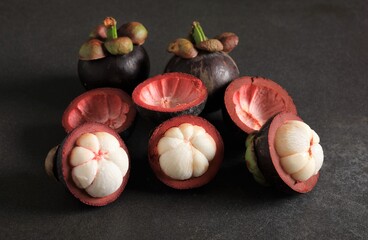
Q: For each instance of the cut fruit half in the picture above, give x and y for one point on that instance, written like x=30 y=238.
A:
x=93 y=163
x=185 y=152
x=288 y=153
x=168 y=95
x=109 y=106
x=251 y=101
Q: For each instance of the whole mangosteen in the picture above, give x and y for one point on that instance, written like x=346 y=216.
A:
x=206 y=59
x=114 y=57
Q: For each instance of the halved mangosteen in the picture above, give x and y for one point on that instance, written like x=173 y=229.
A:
x=168 y=95
x=110 y=106
x=92 y=162
x=185 y=152
x=251 y=101
x=285 y=153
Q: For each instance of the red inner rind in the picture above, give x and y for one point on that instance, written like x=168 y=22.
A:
x=270 y=96
x=170 y=92
x=301 y=187
x=195 y=181
x=110 y=106
x=68 y=145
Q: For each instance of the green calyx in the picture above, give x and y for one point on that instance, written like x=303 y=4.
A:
x=197 y=33
x=251 y=161
x=111 y=31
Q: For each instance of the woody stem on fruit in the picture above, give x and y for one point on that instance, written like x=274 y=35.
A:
x=197 y=33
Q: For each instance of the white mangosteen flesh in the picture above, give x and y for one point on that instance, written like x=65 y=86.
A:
x=98 y=163
x=186 y=151
x=299 y=150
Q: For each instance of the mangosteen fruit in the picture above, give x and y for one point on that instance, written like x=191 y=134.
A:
x=251 y=101
x=114 y=57
x=109 y=106
x=92 y=162
x=185 y=152
x=285 y=153
x=205 y=59
x=168 y=95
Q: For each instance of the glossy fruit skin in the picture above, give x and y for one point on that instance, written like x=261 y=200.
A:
x=63 y=168
x=193 y=182
x=269 y=163
x=120 y=71
x=215 y=69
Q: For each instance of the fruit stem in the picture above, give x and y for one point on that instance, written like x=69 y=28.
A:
x=111 y=31
x=197 y=33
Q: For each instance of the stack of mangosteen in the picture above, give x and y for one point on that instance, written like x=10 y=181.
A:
x=185 y=150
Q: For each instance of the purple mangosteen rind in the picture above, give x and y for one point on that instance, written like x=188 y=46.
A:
x=120 y=71
x=267 y=165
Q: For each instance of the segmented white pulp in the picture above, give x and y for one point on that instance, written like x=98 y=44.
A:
x=98 y=163
x=299 y=150
x=186 y=151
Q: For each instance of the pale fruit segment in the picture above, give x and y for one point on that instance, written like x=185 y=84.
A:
x=299 y=150
x=177 y=163
x=306 y=172
x=174 y=132
x=108 y=142
x=80 y=155
x=317 y=153
x=89 y=141
x=120 y=158
x=292 y=137
x=294 y=163
x=108 y=179
x=99 y=163
x=200 y=163
x=84 y=174
x=167 y=143
x=185 y=151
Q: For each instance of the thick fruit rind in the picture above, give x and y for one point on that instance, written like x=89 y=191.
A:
x=64 y=168
x=160 y=114
x=256 y=82
x=269 y=162
x=194 y=182
x=124 y=97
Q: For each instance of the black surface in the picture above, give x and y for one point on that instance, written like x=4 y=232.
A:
x=317 y=50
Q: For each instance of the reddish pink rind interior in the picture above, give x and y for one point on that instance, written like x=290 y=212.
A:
x=170 y=92
x=195 y=181
x=68 y=145
x=301 y=187
x=251 y=101
x=109 y=106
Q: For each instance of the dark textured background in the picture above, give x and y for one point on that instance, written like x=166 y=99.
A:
x=317 y=50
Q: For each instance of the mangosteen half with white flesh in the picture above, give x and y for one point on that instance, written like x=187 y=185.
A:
x=208 y=60
x=92 y=162
x=285 y=153
x=185 y=152
x=114 y=58
x=169 y=95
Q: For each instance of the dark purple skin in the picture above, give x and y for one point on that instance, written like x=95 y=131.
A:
x=120 y=71
x=216 y=70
